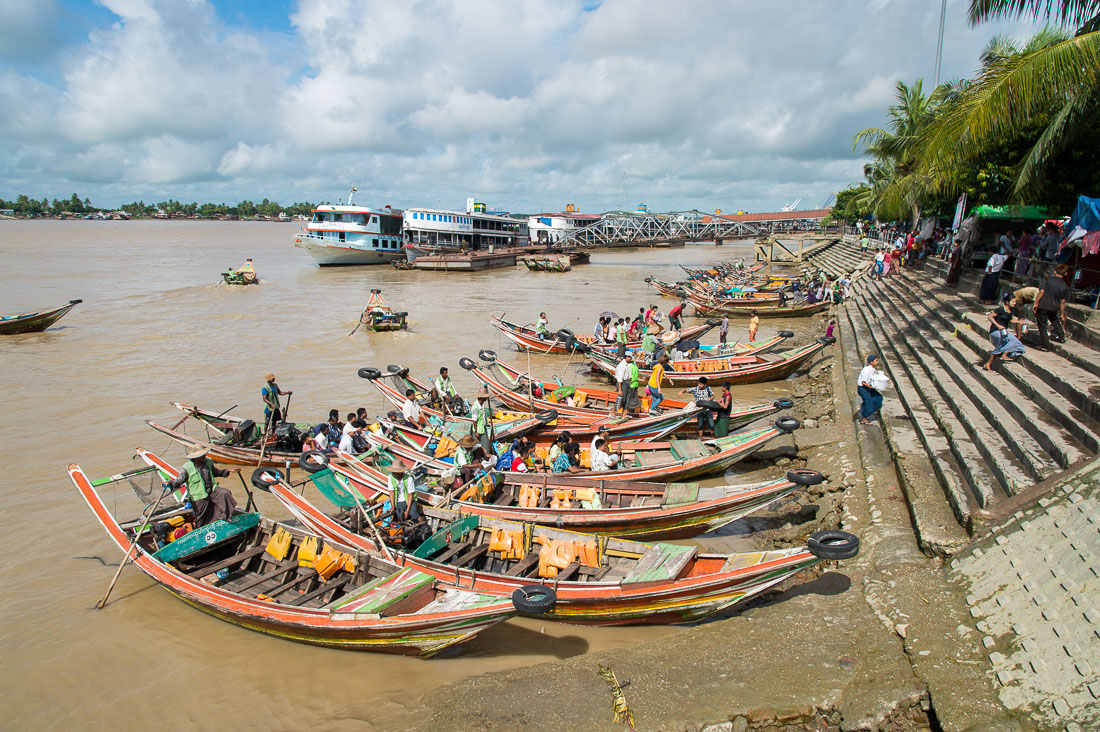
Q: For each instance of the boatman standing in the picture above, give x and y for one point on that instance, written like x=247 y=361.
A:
x=209 y=501
x=402 y=493
x=482 y=414
x=273 y=414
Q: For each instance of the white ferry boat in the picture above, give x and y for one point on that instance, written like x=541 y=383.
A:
x=343 y=234
x=549 y=228
x=431 y=231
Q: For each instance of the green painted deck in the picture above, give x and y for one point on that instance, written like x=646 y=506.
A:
x=660 y=563
x=207 y=536
x=376 y=596
x=679 y=493
x=452 y=532
x=688 y=449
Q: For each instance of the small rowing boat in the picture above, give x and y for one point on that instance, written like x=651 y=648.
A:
x=722 y=307
x=293 y=584
x=34 y=321
x=379 y=316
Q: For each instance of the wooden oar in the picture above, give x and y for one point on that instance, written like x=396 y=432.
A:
x=251 y=501
x=141 y=530
x=357 y=324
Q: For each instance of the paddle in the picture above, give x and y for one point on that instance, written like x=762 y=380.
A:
x=137 y=535
x=357 y=325
x=251 y=501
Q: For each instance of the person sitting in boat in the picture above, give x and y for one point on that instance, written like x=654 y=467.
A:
x=601 y=458
x=541 y=327
x=209 y=501
x=402 y=492
x=444 y=385
x=410 y=410
x=556 y=449
x=569 y=461
x=470 y=458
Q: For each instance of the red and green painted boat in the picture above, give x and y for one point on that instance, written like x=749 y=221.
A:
x=226 y=448
x=516 y=389
x=35 y=321
x=253 y=573
x=627 y=509
x=717 y=350
x=648 y=461
x=711 y=307
x=598 y=580
x=734 y=369
x=562 y=340
x=551 y=422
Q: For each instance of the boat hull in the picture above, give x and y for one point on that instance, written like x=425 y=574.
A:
x=332 y=255
x=35 y=322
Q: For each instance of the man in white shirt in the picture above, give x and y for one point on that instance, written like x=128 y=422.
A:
x=872 y=400
x=410 y=410
x=622 y=371
x=347 y=441
x=600 y=459
x=601 y=434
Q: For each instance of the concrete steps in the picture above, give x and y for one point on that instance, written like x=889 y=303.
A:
x=990 y=479
x=963 y=375
x=1065 y=394
x=909 y=426
x=1031 y=403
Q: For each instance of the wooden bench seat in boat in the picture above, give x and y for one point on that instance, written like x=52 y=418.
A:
x=688 y=449
x=654 y=457
x=660 y=563
x=680 y=493
x=383 y=594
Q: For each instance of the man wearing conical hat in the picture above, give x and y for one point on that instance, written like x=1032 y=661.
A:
x=209 y=501
x=482 y=414
x=402 y=492
x=271 y=392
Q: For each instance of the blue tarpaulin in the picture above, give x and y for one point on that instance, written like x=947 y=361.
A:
x=1086 y=215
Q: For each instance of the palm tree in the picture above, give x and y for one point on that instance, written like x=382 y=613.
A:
x=1053 y=82
x=898 y=185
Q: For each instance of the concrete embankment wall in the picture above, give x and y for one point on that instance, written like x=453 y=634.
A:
x=1000 y=469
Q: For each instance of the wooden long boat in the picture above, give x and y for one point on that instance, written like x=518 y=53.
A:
x=379 y=316
x=719 y=307
x=254 y=573
x=664 y=461
x=716 y=350
x=552 y=422
x=35 y=321
x=597 y=580
x=229 y=454
x=512 y=389
x=527 y=339
x=734 y=369
x=630 y=509
x=668 y=289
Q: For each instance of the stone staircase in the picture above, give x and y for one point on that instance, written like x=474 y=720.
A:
x=987 y=437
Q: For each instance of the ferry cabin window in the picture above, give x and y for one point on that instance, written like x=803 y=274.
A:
x=375 y=243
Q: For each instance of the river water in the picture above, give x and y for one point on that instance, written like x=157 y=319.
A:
x=156 y=326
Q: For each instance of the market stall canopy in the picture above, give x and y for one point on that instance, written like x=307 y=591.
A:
x=1038 y=213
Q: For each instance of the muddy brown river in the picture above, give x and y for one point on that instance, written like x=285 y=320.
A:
x=157 y=325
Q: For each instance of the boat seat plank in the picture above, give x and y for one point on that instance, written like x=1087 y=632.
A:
x=460 y=547
x=260 y=579
x=377 y=595
x=688 y=449
x=208 y=568
x=680 y=493
x=325 y=587
x=661 y=562
x=523 y=565
x=302 y=575
x=569 y=571
x=457 y=600
x=650 y=458
x=471 y=555
x=740 y=561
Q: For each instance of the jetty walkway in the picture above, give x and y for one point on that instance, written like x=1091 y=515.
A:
x=1000 y=471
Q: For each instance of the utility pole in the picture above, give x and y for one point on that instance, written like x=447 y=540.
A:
x=939 y=46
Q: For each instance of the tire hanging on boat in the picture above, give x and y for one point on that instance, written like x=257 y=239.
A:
x=467 y=363
x=787 y=424
x=534 y=599
x=262 y=478
x=370 y=373
x=486 y=355
x=313 y=461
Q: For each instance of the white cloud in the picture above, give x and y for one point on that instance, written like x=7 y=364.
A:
x=703 y=104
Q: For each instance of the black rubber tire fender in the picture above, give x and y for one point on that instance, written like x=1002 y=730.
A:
x=714 y=323
x=827 y=341
x=709 y=404
x=370 y=373
x=486 y=355
x=565 y=334
x=402 y=314
x=547 y=416
x=783 y=403
x=787 y=424
x=804 y=476
x=648 y=279
x=467 y=363
x=313 y=461
x=397 y=370
x=579 y=346
x=833 y=545
x=786 y=334
x=534 y=599
x=262 y=478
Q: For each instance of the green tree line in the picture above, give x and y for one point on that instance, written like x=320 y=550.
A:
x=26 y=206
x=1022 y=131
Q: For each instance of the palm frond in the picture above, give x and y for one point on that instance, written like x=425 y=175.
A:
x=1064 y=12
x=1057 y=134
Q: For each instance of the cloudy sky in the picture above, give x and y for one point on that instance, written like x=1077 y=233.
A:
x=525 y=104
